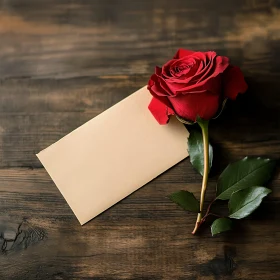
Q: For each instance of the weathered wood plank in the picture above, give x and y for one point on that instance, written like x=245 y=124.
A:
x=72 y=38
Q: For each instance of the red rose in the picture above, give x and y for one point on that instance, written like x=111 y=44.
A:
x=193 y=84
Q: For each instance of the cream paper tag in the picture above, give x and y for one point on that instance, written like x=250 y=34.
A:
x=113 y=155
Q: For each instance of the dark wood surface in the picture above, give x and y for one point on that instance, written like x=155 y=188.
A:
x=62 y=62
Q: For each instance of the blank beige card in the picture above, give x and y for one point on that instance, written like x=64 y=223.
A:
x=112 y=155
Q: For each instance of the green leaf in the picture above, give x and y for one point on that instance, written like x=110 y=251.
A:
x=186 y=200
x=248 y=172
x=195 y=147
x=242 y=203
x=221 y=225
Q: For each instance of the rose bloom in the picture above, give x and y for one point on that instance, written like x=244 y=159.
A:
x=193 y=84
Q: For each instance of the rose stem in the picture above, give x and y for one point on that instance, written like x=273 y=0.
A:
x=209 y=214
x=204 y=127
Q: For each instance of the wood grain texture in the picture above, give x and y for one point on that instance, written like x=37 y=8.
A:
x=62 y=63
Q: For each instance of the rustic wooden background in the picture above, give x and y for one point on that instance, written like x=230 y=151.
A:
x=62 y=62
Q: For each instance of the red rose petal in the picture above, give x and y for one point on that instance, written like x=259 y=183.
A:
x=204 y=55
x=166 y=69
x=214 y=65
x=211 y=85
x=158 y=70
x=190 y=106
x=182 y=52
x=234 y=83
x=156 y=90
x=207 y=60
x=155 y=87
x=160 y=111
x=210 y=80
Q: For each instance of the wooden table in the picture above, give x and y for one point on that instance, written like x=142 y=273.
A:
x=62 y=62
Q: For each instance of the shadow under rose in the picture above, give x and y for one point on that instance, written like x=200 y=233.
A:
x=249 y=125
